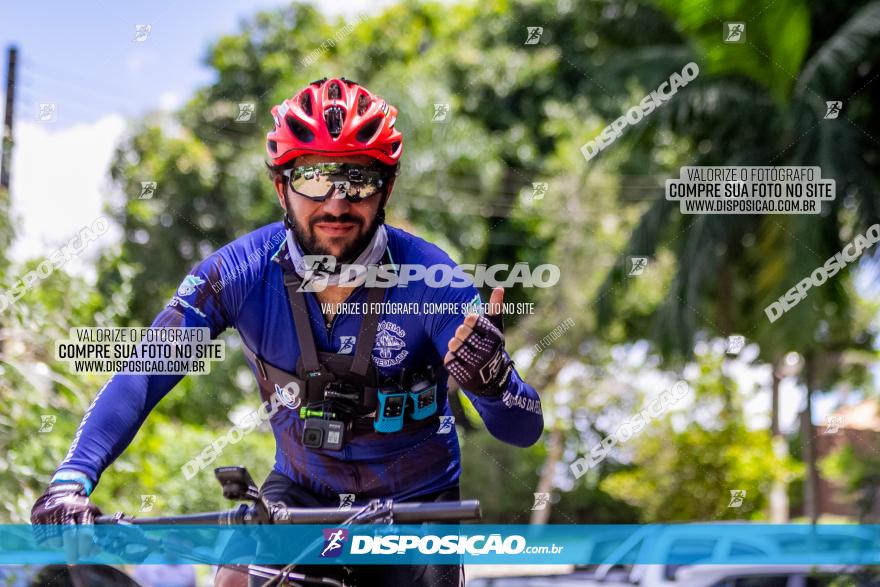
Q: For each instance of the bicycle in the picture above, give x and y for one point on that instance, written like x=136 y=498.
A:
x=237 y=485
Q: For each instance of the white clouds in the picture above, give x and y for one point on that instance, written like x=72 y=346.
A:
x=170 y=101
x=59 y=180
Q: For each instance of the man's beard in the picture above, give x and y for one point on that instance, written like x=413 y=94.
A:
x=308 y=240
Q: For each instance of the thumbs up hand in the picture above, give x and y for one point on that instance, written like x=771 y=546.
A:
x=476 y=357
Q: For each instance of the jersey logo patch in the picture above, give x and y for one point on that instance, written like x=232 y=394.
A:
x=491 y=369
x=346 y=345
x=289 y=395
x=390 y=343
x=189 y=285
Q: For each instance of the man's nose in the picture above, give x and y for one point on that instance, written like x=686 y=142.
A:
x=336 y=204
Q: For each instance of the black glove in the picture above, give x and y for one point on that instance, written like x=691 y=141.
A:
x=476 y=357
x=497 y=321
x=64 y=503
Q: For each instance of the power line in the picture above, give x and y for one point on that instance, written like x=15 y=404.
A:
x=41 y=70
x=81 y=89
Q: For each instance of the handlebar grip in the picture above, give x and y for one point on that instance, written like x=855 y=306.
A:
x=451 y=511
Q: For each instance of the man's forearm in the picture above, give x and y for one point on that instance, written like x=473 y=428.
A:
x=111 y=422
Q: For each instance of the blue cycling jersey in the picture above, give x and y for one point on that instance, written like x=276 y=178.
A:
x=241 y=286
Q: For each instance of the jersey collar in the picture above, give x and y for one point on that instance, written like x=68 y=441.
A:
x=282 y=256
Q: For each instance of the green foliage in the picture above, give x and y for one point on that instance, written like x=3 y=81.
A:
x=744 y=109
x=153 y=463
x=34 y=385
x=7 y=226
x=859 y=475
x=685 y=465
x=504 y=479
x=774 y=44
x=688 y=475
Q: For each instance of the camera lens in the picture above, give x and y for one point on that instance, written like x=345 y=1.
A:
x=312 y=437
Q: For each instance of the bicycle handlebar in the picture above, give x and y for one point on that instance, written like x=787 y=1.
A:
x=403 y=513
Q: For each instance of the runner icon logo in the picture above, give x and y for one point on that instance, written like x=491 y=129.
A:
x=346 y=345
x=447 y=424
x=334 y=538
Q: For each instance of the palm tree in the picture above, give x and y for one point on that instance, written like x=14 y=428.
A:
x=747 y=109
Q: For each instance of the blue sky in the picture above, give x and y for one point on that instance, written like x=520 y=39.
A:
x=82 y=55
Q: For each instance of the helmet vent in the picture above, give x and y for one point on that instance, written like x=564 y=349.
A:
x=273 y=146
x=394 y=146
x=334 y=116
x=363 y=104
x=299 y=130
x=334 y=92
x=305 y=102
x=369 y=130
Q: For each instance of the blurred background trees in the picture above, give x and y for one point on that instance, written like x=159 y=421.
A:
x=518 y=115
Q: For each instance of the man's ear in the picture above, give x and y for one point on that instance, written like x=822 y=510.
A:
x=280 y=189
x=381 y=213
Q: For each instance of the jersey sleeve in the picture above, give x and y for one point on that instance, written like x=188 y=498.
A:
x=515 y=416
x=123 y=403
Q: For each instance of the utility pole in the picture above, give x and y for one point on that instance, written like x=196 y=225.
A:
x=6 y=166
x=6 y=161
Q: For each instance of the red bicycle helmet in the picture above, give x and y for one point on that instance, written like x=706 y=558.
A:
x=334 y=117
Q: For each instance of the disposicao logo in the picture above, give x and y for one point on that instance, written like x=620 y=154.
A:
x=448 y=544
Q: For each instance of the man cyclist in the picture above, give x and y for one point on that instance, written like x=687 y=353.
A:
x=334 y=154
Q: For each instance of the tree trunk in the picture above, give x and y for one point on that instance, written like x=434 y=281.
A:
x=811 y=485
x=461 y=420
x=779 y=490
x=725 y=322
x=545 y=484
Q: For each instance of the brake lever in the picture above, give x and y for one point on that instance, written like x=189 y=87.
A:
x=134 y=545
x=374 y=512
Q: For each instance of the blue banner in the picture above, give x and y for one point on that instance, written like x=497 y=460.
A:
x=672 y=544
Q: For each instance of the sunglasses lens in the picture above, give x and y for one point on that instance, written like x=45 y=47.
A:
x=363 y=191
x=311 y=188
x=319 y=181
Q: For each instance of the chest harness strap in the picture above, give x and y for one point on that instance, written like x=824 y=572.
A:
x=341 y=395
